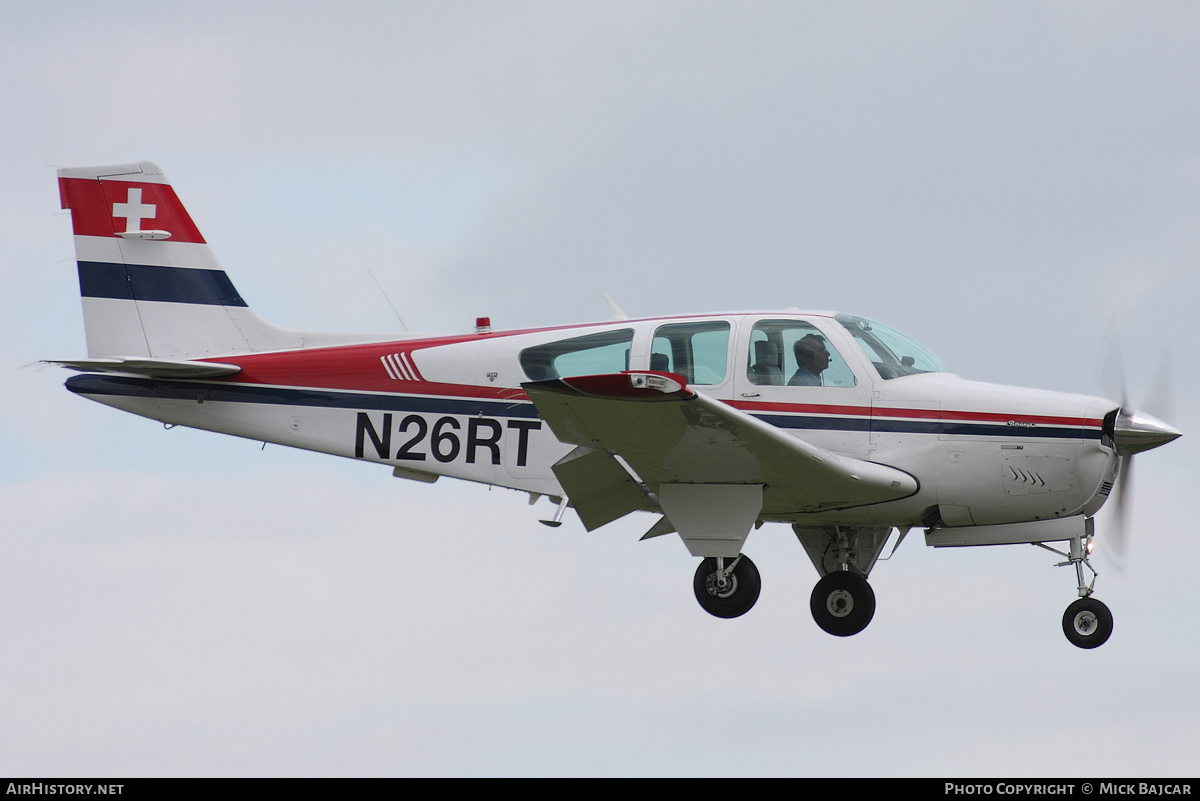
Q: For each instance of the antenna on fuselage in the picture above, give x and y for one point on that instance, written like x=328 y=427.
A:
x=617 y=314
x=383 y=292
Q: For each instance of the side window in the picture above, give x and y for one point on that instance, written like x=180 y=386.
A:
x=697 y=351
x=794 y=353
x=594 y=354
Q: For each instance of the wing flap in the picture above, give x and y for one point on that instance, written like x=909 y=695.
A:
x=600 y=489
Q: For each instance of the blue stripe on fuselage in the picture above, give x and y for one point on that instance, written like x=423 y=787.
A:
x=95 y=384
x=937 y=427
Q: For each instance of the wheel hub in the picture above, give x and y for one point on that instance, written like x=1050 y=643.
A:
x=1085 y=623
x=721 y=587
x=839 y=603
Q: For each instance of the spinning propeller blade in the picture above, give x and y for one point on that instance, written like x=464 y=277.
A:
x=1132 y=431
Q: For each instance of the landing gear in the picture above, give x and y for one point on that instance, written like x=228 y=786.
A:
x=1087 y=623
x=727 y=587
x=843 y=603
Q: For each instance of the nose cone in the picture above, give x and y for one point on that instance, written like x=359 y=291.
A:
x=1134 y=432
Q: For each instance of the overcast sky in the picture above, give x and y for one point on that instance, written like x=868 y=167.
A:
x=1008 y=182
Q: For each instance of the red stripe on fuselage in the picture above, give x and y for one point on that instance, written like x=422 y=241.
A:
x=358 y=368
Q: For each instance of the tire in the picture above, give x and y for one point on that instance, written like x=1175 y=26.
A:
x=1087 y=623
x=843 y=603
x=734 y=600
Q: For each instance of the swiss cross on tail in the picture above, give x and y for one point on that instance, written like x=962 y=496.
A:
x=134 y=211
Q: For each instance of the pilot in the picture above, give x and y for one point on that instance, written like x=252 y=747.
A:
x=812 y=357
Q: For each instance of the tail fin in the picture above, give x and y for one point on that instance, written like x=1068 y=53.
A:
x=150 y=285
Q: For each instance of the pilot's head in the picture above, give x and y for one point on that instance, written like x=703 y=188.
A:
x=812 y=354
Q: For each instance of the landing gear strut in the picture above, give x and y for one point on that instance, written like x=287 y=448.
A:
x=1087 y=622
x=727 y=587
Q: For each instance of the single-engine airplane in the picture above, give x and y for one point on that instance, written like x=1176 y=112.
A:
x=841 y=427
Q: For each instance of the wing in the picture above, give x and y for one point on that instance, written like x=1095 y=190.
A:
x=701 y=458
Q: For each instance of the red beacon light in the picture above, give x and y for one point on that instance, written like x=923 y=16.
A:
x=483 y=325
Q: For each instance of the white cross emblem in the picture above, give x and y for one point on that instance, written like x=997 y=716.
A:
x=134 y=211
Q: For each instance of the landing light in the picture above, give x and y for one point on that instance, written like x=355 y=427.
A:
x=661 y=383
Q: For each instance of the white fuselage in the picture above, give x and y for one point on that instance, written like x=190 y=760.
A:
x=982 y=454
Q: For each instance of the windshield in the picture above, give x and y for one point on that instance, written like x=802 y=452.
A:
x=892 y=353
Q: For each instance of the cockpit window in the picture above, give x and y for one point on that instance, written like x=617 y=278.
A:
x=697 y=351
x=793 y=353
x=892 y=353
x=594 y=354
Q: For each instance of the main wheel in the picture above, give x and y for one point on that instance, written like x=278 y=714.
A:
x=1087 y=623
x=843 y=603
x=733 y=598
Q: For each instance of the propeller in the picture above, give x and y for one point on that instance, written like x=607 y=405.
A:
x=1131 y=432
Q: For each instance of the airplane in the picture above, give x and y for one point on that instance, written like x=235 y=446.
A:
x=841 y=427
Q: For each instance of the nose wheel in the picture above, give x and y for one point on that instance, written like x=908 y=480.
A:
x=842 y=603
x=1087 y=623
x=727 y=587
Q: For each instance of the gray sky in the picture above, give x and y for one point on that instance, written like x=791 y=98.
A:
x=1007 y=182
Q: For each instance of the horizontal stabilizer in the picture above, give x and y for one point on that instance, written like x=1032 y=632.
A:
x=149 y=368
